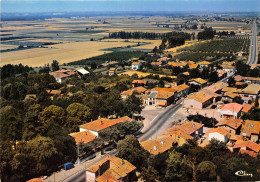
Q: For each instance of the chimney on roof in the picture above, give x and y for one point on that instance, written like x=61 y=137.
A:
x=235 y=124
x=162 y=142
x=252 y=125
x=193 y=125
x=154 y=147
x=122 y=161
x=101 y=121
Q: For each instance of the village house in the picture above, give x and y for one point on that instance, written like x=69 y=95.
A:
x=198 y=100
x=111 y=71
x=83 y=138
x=159 y=145
x=220 y=134
x=229 y=69
x=98 y=125
x=62 y=75
x=216 y=87
x=177 y=64
x=198 y=81
x=251 y=130
x=193 y=66
x=136 y=65
x=229 y=96
x=178 y=135
x=247 y=147
x=221 y=74
x=230 y=90
x=191 y=128
x=137 y=83
x=156 y=63
x=231 y=110
x=161 y=97
x=181 y=90
x=111 y=169
x=137 y=90
x=231 y=125
x=204 y=64
x=251 y=90
x=81 y=71
x=164 y=59
x=249 y=80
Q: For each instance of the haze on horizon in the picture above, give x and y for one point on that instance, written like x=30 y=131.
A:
x=208 y=6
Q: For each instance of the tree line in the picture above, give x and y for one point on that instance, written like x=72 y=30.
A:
x=34 y=137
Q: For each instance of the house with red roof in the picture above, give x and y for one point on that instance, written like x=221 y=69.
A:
x=251 y=130
x=181 y=90
x=191 y=128
x=111 y=169
x=231 y=125
x=246 y=108
x=220 y=134
x=231 y=110
x=83 y=138
x=138 y=83
x=159 y=145
x=136 y=65
x=100 y=124
x=247 y=147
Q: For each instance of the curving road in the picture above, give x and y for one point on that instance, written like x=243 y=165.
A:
x=253 y=45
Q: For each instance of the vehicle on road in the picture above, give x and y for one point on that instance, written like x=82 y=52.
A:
x=68 y=165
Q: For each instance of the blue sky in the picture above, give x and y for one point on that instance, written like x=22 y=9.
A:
x=209 y=6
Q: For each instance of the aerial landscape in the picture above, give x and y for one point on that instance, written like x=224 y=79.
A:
x=126 y=90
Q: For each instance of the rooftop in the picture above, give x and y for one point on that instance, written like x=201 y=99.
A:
x=159 y=145
x=83 y=137
x=118 y=168
x=200 y=96
x=222 y=131
x=233 y=123
x=199 y=80
x=103 y=123
x=252 y=89
x=235 y=107
x=251 y=127
x=188 y=127
x=248 y=144
x=205 y=63
x=246 y=107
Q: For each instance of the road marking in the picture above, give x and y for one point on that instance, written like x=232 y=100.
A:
x=154 y=118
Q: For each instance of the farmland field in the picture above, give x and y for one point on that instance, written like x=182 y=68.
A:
x=71 y=37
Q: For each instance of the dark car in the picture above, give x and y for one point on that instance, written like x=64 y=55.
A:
x=68 y=165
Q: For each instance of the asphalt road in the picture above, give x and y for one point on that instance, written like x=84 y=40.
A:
x=159 y=122
x=149 y=132
x=253 y=45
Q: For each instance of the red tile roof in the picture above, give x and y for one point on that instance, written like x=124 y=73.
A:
x=135 y=63
x=222 y=131
x=233 y=123
x=83 y=137
x=36 y=180
x=233 y=107
x=119 y=168
x=159 y=145
x=103 y=123
x=251 y=127
x=180 y=88
x=188 y=127
x=246 y=107
x=139 y=81
x=248 y=144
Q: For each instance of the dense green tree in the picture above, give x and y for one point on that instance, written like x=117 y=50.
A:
x=43 y=150
x=206 y=171
x=253 y=114
x=52 y=114
x=149 y=174
x=131 y=150
x=55 y=65
x=79 y=111
x=231 y=82
x=32 y=126
x=133 y=105
x=177 y=170
x=213 y=76
x=242 y=68
x=11 y=124
x=217 y=148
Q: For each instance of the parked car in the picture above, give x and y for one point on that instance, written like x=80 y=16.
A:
x=68 y=165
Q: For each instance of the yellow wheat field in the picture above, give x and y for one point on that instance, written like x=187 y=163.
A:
x=63 y=53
